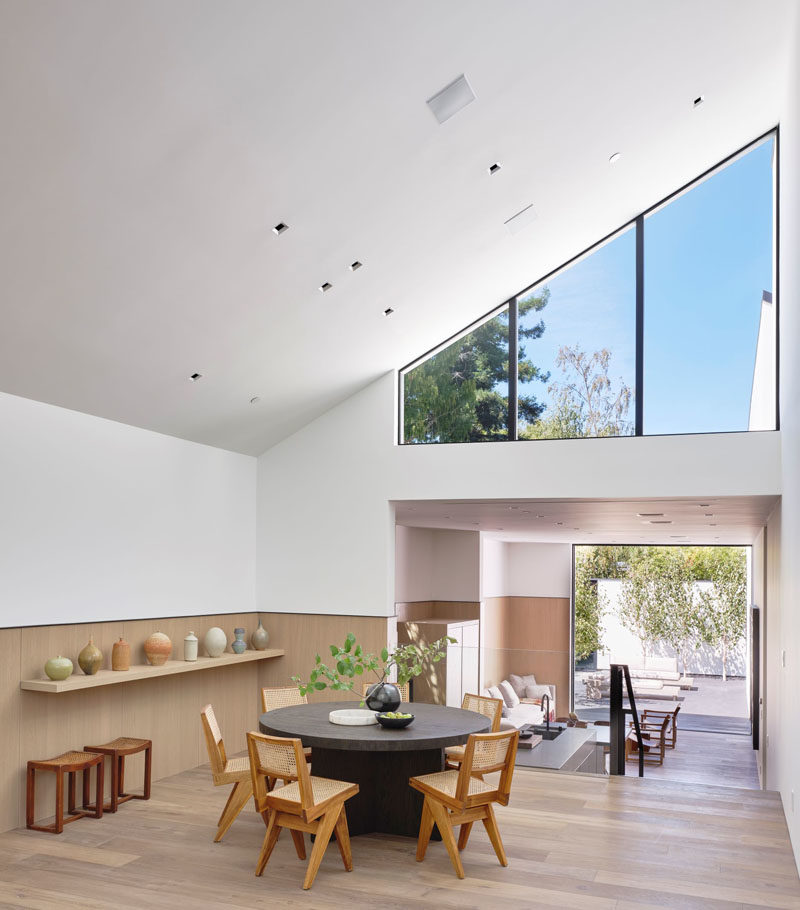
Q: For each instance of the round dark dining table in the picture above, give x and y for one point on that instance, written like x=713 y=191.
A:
x=379 y=760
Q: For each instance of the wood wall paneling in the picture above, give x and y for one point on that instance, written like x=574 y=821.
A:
x=166 y=709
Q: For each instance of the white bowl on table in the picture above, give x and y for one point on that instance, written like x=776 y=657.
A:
x=352 y=717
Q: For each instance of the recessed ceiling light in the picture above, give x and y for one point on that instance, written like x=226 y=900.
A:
x=712 y=524
x=355 y=266
x=677 y=536
x=280 y=228
x=521 y=220
x=559 y=523
x=698 y=100
x=541 y=516
x=195 y=376
x=494 y=168
x=704 y=505
x=660 y=521
x=388 y=311
x=709 y=514
x=451 y=99
x=615 y=158
x=650 y=514
x=255 y=399
x=325 y=287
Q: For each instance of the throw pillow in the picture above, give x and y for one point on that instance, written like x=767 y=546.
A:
x=537 y=691
x=494 y=692
x=510 y=697
x=520 y=682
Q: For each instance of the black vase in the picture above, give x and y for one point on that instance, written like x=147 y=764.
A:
x=383 y=697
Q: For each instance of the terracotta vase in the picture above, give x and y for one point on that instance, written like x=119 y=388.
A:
x=91 y=658
x=157 y=649
x=260 y=638
x=121 y=655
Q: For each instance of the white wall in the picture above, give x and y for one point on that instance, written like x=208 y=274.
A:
x=783 y=767
x=326 y=520
x=493 y=567
x=101 y=521
x=538 y=570
x=436 y=564
x=622 y=646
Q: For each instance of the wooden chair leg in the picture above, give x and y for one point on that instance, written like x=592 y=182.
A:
x=86 y=788
x=425 y=830
x=59 y=823
x=490 y=823
x=227 y=805
x=442 y=819
x=71 y=790
x=463 y=835
x=114 y=787
x=270 y=839
x=99 y=770
x=121 y=776
x=148 y=767
x=343 y=840
x=299 y=843
x=242 y=791
x=324 y=831
x=30 y=797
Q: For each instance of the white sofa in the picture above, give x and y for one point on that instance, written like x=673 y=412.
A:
x=525 y=709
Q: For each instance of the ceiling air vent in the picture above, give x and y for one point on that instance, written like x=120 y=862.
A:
x=521 y=220
x=451 y=99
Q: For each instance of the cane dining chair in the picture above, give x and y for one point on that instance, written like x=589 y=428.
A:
x=306 y=804
x=224 y=771
x=489 y=707
x=459 y=798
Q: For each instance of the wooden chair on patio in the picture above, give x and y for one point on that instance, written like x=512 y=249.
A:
x=653 y=742
x=308 y=804
x=462 y=798
x=672 y=729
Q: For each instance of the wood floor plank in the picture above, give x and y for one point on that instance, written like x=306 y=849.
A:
x=573 y=841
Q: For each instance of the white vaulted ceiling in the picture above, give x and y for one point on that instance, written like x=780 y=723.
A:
x=148 y=148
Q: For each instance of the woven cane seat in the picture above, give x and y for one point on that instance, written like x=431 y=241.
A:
x=69 y=758
x=235 y=769
x=321 y=788
x=455 y=753
x=446 y=781
x=124 y=743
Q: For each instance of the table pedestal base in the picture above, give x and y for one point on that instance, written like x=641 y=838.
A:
x=385 y=802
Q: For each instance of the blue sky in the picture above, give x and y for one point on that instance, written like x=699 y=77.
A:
x=708 y=258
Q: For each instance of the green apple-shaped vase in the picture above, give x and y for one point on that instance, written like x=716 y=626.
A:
x=58 y=667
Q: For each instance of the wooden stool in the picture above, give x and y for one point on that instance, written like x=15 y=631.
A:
x=69 y=763
x=116 y=750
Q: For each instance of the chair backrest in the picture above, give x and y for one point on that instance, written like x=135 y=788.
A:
x=214 y=743
x=489 y=707
x=277 y=757
x=281 y=697
x=484 y=753
x=405 y=690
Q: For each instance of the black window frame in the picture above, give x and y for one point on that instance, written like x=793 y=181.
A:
x=638 y=225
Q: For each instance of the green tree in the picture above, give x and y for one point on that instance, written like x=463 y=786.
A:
x=592 y=563
x=640 y=604
x=724 y=606
x=459 y=394
x=678 y=620
x=585 y=401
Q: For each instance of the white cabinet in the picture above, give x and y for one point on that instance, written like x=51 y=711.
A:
x=445 y=682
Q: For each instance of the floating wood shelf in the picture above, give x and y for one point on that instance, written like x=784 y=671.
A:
x=79 y=681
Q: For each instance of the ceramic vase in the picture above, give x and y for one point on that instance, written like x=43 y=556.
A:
x=383 y=696
x=239 y=645
x=260 y=638
x=121 y=655
x=157 y=649
x=215 y=641
x=190 y=647
x=58 y=667
x=91 y=658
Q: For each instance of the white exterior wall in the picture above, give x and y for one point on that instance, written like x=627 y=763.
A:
x=624 y=647
x=101 y=521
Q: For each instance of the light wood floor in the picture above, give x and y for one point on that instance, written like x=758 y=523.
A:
x=573 y=842
x=707 y=758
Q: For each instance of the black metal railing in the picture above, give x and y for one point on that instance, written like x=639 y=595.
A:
x=617 y=719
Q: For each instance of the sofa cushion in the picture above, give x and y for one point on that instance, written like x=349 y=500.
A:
x=494 y=692
x=537 y=691
x=519 y=683
x=510 y=697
